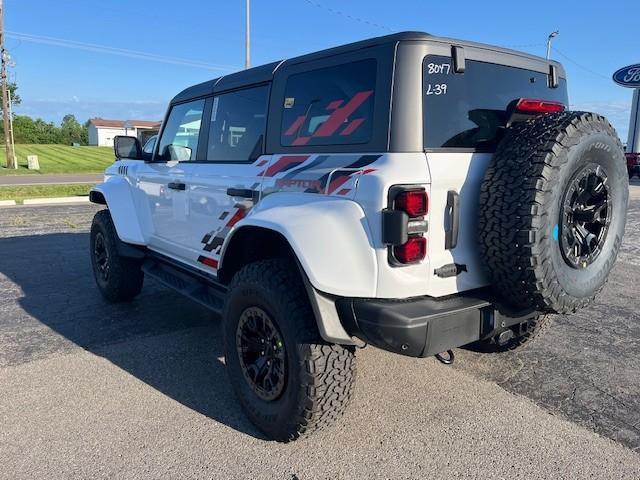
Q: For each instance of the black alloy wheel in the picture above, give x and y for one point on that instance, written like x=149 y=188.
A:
x=261 y=353
x=101 y=256
x=585 y=217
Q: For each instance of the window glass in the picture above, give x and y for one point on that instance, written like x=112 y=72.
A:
x=238 y=121
x=179 y=139
x=470 y=110
x=148 y=147
x=329 y=106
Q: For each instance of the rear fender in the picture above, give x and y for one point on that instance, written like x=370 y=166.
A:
x=329 y=236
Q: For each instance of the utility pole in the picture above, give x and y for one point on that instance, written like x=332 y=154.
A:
x=551 y=36
x=6 y=105
x=247 y=36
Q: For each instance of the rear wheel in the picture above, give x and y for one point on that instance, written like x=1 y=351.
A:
x=288 y=380
x=118 y=278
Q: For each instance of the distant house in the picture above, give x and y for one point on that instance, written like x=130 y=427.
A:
x=101 y=131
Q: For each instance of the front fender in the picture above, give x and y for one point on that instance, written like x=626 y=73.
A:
x=118 y=197
x=330 y=237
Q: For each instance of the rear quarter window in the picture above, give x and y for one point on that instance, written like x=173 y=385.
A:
x=329 y=106
x=469 y=110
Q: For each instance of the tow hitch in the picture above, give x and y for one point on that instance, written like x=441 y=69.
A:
x=446 y=357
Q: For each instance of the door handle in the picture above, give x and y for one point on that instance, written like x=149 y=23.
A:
x=453 y=207
x=177 y=186
x=243 y=193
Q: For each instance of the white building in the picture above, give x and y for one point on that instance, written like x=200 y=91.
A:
x=101 y=131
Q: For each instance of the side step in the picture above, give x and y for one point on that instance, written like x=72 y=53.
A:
x=191 y=285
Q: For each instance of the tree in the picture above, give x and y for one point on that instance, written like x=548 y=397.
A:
x=15 y=98
x=71 y=131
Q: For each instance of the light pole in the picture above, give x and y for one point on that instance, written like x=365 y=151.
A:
x=551 y=36
x=247 y=36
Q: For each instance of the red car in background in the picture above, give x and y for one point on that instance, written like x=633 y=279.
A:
x=633 y=164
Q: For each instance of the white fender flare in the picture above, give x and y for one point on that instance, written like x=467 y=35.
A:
x=116 y=192
x=330 y=237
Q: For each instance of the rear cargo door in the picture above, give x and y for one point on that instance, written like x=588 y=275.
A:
x=465 y=115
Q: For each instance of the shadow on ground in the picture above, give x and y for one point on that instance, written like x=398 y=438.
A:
x=50 y=305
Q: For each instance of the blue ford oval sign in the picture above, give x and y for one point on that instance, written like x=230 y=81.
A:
x=628 y=76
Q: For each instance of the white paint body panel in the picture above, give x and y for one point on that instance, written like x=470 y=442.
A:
x=127 y=217
x=329 y=235
x=336 y=236
x=463 y=173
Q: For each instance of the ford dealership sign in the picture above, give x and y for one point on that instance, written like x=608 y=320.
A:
x=628 y=76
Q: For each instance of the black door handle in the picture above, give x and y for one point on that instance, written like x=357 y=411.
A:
x=177 y=186
x=243 y=193
x=453 y=207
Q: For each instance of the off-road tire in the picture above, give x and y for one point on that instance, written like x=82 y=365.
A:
x=125 y=276
x=521 y=202
x=320 y=376
x=534 y=329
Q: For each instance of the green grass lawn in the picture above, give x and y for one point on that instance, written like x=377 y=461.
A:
x=20 y=192
x=59 y=159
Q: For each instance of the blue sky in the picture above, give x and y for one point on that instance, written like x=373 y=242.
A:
x=205 y=39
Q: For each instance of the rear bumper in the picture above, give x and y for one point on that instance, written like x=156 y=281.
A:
x=424 y=326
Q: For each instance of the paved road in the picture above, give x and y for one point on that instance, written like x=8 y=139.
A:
x=35 y=179
x=89 y=389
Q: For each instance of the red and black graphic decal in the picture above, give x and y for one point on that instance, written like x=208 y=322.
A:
x=209 y=262
x=340 y=177
x=337 y=118
x=284 y=163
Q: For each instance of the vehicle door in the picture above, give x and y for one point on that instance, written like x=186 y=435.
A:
x=225 y=185
x=163 y=182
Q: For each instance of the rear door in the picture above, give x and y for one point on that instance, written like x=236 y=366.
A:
x=465 y=115
x=225 y=184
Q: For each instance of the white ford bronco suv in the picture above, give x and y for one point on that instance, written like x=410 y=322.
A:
x=409 y=192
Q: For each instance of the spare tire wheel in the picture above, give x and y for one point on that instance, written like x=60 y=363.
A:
x=553 y=211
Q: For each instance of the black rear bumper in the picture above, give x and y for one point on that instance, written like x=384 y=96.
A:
x=424 y=326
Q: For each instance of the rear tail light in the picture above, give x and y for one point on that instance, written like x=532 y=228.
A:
x=413 y=202
x=413 y=250
x=528 y=105
x=404 y=224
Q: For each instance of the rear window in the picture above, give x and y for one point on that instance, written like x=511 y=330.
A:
x=329 y=106
x=469 y=110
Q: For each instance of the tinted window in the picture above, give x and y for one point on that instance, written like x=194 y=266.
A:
x=236 y=131
x=180 y=136
x=329 y=106
x=469 y=110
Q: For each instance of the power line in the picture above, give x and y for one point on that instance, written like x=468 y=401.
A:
x=123 y=52
x=579 y=65
x=350 y=17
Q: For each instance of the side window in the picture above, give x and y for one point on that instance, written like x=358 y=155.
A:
x=179 y=139
x=329 y=106
x=238 y=121
x=148 y=147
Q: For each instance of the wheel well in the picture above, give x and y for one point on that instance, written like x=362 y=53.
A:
x=97 y=197
x=250 y=244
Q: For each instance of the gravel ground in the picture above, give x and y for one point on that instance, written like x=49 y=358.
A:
x=89 y=389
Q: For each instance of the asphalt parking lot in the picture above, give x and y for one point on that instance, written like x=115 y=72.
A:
x=89 y=389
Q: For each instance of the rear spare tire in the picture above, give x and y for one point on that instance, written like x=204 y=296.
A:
x=553 y=211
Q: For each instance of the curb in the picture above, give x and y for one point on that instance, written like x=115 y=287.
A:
x=7 y=203
x=54 y=200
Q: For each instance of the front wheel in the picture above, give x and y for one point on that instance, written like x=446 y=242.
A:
x=288 y=380
x=119 y=279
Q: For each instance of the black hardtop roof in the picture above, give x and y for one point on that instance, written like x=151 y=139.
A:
x=264 y=73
